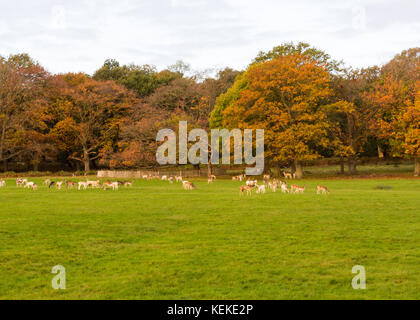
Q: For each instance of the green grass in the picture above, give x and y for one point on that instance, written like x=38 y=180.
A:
x=157 y=241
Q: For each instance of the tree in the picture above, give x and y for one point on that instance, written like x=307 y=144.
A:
x=352 y=113
x=395 y=97
x=21 y=81
x=92 y=111
x=226 y=99
x=287 y=97
x=302 y=48
x=142 y=79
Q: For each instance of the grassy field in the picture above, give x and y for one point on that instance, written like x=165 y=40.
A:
x=157 y=241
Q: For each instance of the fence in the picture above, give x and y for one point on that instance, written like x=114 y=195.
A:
x=122 y=174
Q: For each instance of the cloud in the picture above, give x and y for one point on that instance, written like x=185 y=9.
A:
x=79 y=35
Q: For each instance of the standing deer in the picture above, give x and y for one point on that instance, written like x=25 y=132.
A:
x=248 y=190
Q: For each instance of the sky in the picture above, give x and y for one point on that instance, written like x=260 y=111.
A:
x=78 y=35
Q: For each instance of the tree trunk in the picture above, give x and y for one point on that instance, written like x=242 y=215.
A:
x=86 y=160
x=380 y=153
x=197 y=167
x=351 y=163
x=5 y=167
x=416 y=166
x=36 y=162
x=298 y=170
x=342 y=165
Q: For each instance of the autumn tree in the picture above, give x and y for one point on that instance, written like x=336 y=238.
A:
x=395 y=97
x=91 y=115
x=352 y=114
x=21 y=83
x=286 y=97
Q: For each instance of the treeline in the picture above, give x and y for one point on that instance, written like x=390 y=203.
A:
x=310 y=106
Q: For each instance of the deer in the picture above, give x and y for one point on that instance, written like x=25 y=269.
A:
x=46 y=182
x=83 y=184
x=273 y=186
x=322 y=190
x=247 y=189
x=287 y=175
x=188 y=185
x=2 y=183
x=178 y=178
x=59 y=185
x=298 y=189
x=93 y=184
x=261 y=189
x=164 y=178
x=70 y=184
x=211 y=178
x=284 y=188
x=21 y=182
x=29 y=185
x=251 y=183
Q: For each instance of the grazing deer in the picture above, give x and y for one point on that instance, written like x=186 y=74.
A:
x=34 y=186
x=213 y=177
x=248 y=190
x=287 y=175
x=128 y=184
x=29 y=185
x=59 y=185
x=322 y=190
x=52 y=183
x=178 y=178
x=297 y=189
x=234 y=178
x=83 y=184
x=70 y=184
x=2 y=183
x=188 y=185
x=164 y=177
x=46 y=182
x=93 y=184
x=261 y=189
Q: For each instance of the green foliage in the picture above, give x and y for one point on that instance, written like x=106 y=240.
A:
x=301 y=48
x=226 y=99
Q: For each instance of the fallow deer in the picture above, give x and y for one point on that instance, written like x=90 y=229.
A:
x=322 y=190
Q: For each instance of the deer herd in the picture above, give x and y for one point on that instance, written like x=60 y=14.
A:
x=267 y=184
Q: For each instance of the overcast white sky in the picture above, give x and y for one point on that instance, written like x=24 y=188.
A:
x=78 y=35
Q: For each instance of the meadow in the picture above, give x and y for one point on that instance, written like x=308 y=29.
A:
x=158 y=241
